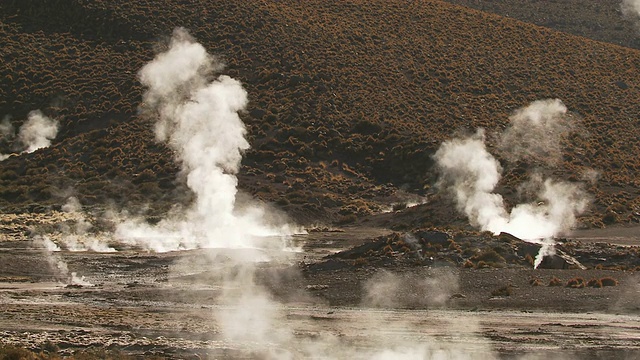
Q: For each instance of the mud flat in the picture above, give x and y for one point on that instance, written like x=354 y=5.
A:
x=168 y=304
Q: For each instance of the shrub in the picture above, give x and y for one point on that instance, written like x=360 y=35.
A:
x=14 y=353
x=489 y=264
x=529 y=259
x=535 y=281
x=595 y=283
x=576 y=283
x=488 y=256
x=555 y=282
x=608 y=281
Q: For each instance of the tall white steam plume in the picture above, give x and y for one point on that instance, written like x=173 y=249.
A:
x=471 y=173
x=197 y=116
x=36 y=133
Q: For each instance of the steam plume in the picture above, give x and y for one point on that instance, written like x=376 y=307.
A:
x=75 y=234
x=36 y=133
x=471 y=174
x=198 y=117
x=536 y=131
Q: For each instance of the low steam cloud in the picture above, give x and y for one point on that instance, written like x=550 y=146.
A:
x=36 y=133
x=471 y=174
x=386 y=289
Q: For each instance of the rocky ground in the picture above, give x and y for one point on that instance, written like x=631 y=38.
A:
x=168 y=305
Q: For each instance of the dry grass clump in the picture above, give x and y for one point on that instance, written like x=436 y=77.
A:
x=555 y=281
x=594 y=283
x=488 y=258
x=360 y=261
x=535 y=281
x=529 y=259
x=576 y=283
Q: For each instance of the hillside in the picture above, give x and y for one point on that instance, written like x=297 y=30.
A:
x=348 y=101
x=602 y=20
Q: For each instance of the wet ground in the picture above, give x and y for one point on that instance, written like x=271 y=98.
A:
x=177 y=305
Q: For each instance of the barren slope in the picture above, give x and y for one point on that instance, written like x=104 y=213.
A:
x=601 y=20
x=348 y=99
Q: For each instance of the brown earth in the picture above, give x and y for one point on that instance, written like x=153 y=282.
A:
x=598 y=20
x=348 y=100
x=165 y=304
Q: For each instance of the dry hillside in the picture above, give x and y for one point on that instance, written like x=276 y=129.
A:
x=348 y=101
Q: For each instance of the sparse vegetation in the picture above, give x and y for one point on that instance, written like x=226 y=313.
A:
x=331 y=140
x=535 y=281
x=595 y=283
x=296 y=120
x=576 y=283
x=555 y=281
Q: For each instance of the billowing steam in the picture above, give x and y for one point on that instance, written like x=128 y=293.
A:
x=197 y=116
x=631 y=8
x=471 y=174
x=36 y=133
x=537 y=131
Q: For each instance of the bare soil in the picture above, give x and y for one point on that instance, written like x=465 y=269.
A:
x=164 y=304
